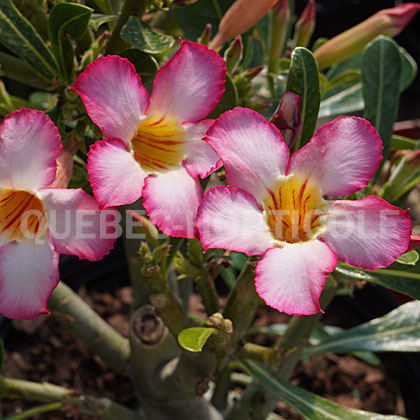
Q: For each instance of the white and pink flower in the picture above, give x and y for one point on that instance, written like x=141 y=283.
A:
x=153 y=147
x=275 y=206
x=30 y=238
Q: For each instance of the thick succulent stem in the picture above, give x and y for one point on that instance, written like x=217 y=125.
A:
x=99 y=408
x=256 y=401
x=164 y=376
x=83 y=322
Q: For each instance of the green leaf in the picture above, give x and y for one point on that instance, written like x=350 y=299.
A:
x=193 y=339
x=381 y=71
x=228 y=275
x=347 y=101
x=404 y=281
x=229 y=99
x=409 y=258
x=196 y=16
x=19 y=36
x=303 y=80
x=408 y=69
x=321 y=334
x=146 y=66
x=1 y=355
x=67 y=19
x=140 y=34
x=352 y=63
x=401 y=142
x=307 y=404
x=345 y=79
x=238 y=259
x=97 y=20
x=253 y=54
x=396 y=331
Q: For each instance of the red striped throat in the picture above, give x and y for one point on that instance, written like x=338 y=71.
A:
x=22 y=215
x=294 y=208
x=159 y=144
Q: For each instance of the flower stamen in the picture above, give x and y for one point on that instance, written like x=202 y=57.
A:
x=293 y=209
x=159 y=144
x=22 y=215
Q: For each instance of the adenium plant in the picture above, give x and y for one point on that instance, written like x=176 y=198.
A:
x=201 y=132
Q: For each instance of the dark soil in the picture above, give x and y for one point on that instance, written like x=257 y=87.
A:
x=41 y=350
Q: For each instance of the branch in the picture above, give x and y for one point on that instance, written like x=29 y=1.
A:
x=100 y=408
x=163 y=376
x=258 y=402
x=82 y=321
x=161 y=297
x=242 y=304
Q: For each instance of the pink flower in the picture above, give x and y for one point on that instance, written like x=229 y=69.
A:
x=275 y=206
x=389 y=22
x=37 y=223
x=154 y=147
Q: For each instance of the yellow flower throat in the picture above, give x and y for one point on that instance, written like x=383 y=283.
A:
x=22 y=215
x=293 y=208
x=159 y=144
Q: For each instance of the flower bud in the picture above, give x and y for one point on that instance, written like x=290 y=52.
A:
x=287 y=117
x=145 y=226
x=282 y=9
x=407 y=164
x=65 y=165
x=279 y=24
x=243 y=80
x=241 y=16
x=205 y=36
x=414 y=242
x=233 y=54
x=305 y=25
x=389 y=22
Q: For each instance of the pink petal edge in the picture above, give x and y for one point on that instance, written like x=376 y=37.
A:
x=342 y=156
x=251 y=148
x=29 y=148
x=295 y=285
x=190 y=84
x=364 y=247
x=116 y=178
x=246 y=231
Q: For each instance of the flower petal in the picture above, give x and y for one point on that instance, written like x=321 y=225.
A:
x=369 y=233
x=291 y=279
x=342 y=156
x=28 y=275
x=29 y=147
x=171 y=200
x=76 y=225
x=113 y=95
x=116 y=178
x=252 y=150
x=414 y=242
x=201 y=158
x=231 y=218
x=190 y=85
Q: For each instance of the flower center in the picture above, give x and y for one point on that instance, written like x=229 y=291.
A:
x=159 y=144
x=293 y=209
x=22 y=215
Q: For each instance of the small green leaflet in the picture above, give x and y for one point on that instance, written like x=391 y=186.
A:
x=193 y=339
